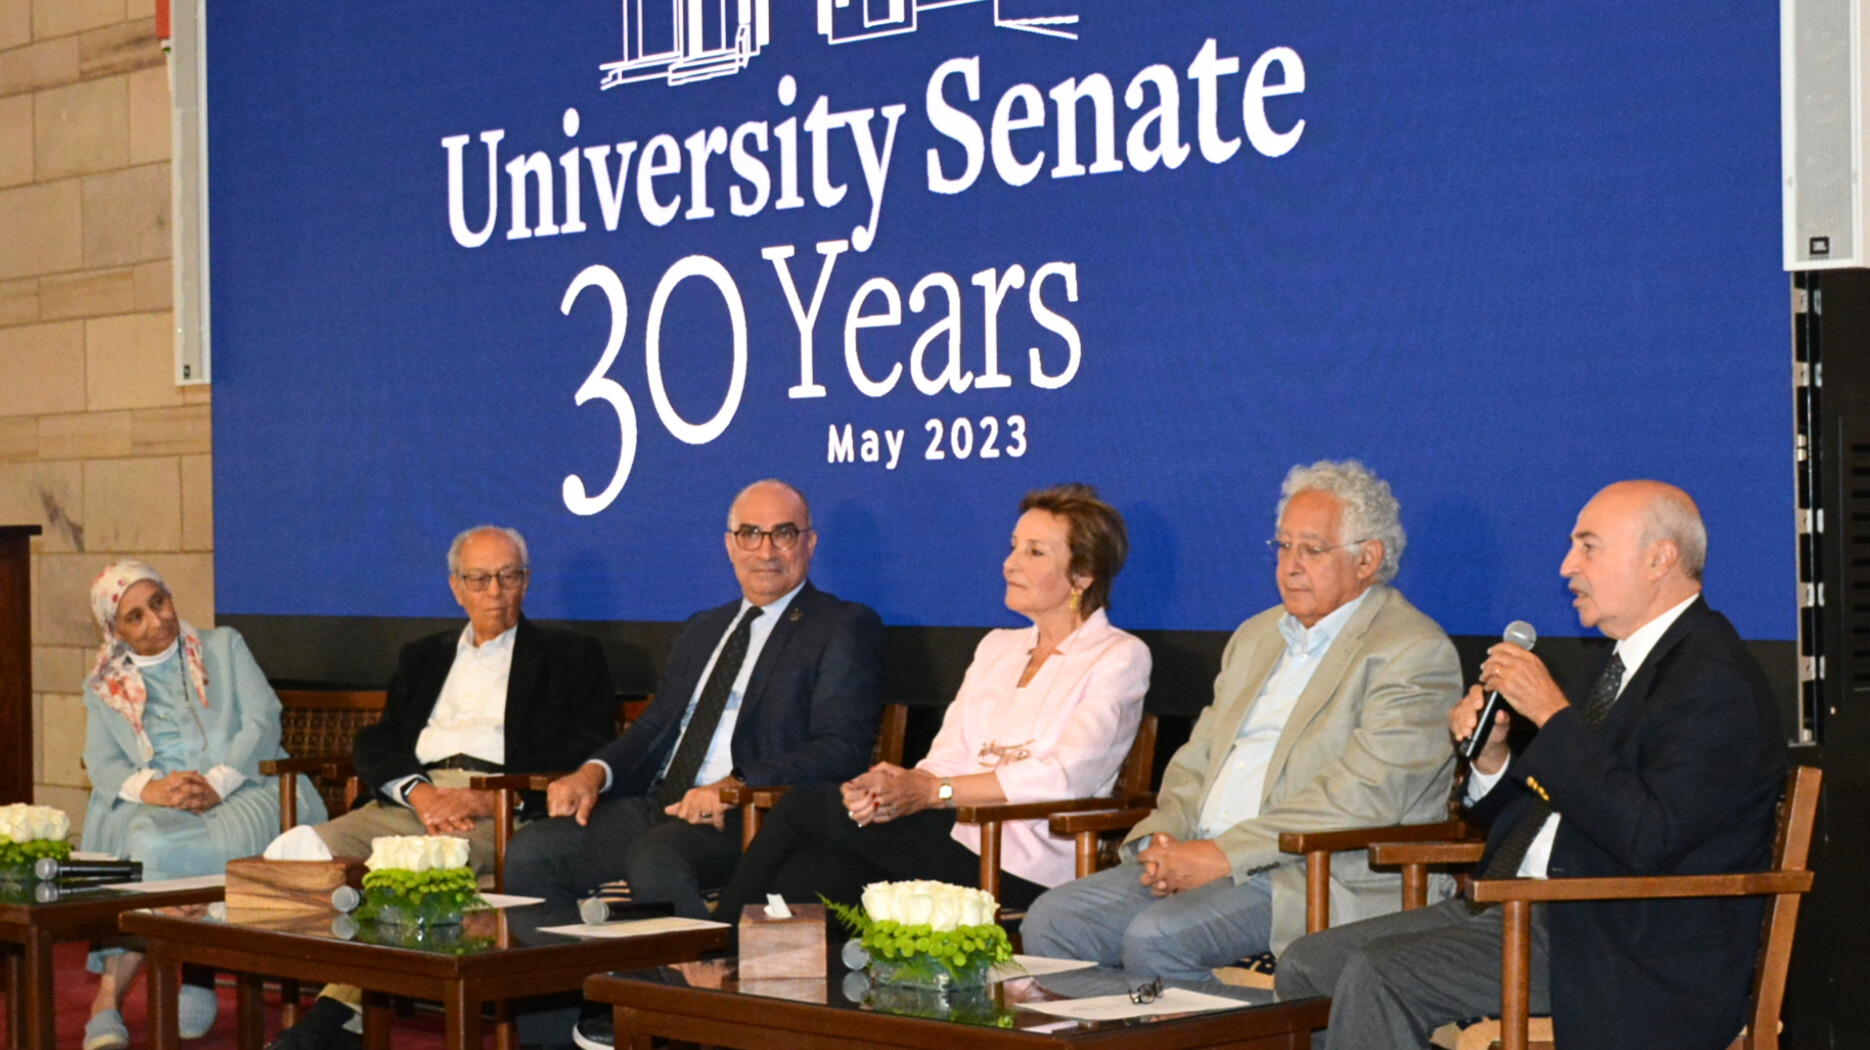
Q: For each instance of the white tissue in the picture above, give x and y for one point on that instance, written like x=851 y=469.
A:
x=301 y=843
x=776 y=908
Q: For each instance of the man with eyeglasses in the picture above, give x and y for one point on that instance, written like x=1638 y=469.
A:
x=781 y=686
x=1329 y=713
x=501 y=694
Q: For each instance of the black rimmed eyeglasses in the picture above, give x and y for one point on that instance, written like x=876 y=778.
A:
x=784 y=536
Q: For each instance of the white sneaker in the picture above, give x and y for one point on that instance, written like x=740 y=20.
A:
x=195 y=1011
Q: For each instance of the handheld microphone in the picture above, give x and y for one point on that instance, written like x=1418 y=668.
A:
x=1522 y=634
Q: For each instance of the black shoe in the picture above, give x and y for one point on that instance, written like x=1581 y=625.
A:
x=596 y=1033
x=321 y=1028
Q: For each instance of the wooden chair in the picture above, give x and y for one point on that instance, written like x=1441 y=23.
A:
x=316 y=729
x=753 y=802
x=1788 y=879
x=1132 y=784
x=1090 y=828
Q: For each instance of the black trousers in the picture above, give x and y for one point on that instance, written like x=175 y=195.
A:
x=810 y=846
x=627 y=838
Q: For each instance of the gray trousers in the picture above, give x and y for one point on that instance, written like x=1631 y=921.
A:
x=1113 y=919
x=1396 y=978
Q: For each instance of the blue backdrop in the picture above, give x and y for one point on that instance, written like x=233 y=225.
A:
x=1504 y=252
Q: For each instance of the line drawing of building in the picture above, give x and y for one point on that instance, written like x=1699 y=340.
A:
x=683 y=41
x=848 y=21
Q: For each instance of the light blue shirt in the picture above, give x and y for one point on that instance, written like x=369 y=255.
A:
x=1235 y=795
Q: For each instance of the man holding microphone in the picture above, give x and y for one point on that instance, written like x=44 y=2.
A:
x=1669 y=762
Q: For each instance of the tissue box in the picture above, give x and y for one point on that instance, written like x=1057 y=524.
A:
x=774 y=948
x=258 y=884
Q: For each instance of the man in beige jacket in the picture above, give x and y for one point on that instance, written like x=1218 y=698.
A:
x=1330 y=712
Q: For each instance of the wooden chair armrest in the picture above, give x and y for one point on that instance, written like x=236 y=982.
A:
x=512 y=781
x=317 y=765
x=1000 y=811
x=768 y=797
x=737 y=794
x=1489 y=891
x=1363 y=838
x=1098 y=820
x=1390 y=854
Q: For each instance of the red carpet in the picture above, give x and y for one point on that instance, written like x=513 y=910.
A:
x=76 y=988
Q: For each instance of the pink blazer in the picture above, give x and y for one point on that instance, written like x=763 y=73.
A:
x=1073 y=723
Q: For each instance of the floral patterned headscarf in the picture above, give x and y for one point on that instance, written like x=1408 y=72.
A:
x=116 y=679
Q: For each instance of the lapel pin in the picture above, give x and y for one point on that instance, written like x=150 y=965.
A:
x=796 y=615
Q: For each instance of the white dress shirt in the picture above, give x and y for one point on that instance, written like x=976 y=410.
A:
x=720 y=759
x=1235 y=796
x=470 y=713
x=1632 y=651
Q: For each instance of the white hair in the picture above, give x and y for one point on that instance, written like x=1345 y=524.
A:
x=1673 y=516
x=1370 y=509
x=454 y=549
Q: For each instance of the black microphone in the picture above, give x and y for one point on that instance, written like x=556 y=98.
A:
x=50 y=868
x=1522 y=634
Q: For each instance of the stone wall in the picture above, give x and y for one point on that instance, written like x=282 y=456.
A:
x=97 y=443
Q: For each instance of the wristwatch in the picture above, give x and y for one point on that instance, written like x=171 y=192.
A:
x=946 y=793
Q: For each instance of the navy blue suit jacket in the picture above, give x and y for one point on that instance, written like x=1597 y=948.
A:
x=811 y=707
x=1682 y=779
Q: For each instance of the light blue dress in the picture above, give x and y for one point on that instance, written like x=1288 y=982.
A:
x=239 y=728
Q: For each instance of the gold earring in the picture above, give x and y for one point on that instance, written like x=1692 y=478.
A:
x=1072 y=602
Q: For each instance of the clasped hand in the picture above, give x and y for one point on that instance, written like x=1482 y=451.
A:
x=183 y=789
x=450 y=809
x=1172 y=865
x=887 y=792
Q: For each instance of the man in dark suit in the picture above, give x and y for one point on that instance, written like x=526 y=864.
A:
x=501 y=694
x=1669 y=762
x=779 y=687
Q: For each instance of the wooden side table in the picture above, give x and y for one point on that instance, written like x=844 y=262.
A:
x=28 y=931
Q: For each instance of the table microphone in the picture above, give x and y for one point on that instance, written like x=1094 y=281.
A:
x=49 y=868
x=1522 y=634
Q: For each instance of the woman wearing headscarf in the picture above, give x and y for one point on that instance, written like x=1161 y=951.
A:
x=1044 y=712
x=178 y=721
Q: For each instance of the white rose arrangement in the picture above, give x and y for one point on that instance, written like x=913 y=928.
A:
x=419 y=880
x=930 y=933
x=417 y=853
x=942 y=907
x=30 y=833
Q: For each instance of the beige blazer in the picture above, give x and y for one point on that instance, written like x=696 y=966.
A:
x=1367 y=744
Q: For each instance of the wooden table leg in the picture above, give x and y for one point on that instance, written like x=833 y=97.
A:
x=505 y=1032
x=288 y=1003
x=165 y=987
x=250 y=1011
x=628 y=1029
x=15 y=994
x=1515 y=970
x=461 y=1018
x=377 y=1015
x=34 y=1001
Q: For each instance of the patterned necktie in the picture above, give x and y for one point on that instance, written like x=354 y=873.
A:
x=707 y=717
x=1505 y=862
